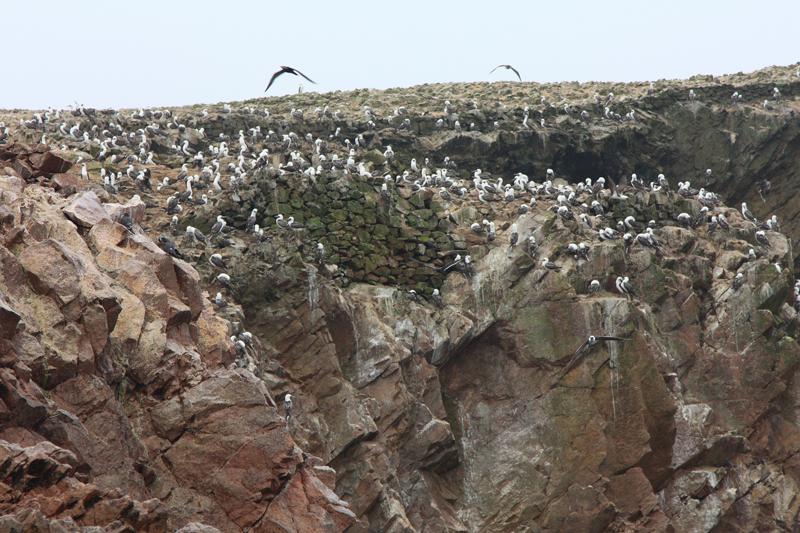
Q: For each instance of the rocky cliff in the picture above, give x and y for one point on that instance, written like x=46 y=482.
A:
x=429 y=393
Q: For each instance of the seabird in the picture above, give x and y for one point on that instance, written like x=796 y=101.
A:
x=217 y=261
x=126 y=221
x=287 y=406
x=218 y=226
x=219 y=301
x=761 y=238
x=738 y=281
x=594 y=286
x=166 y=244
x=246 y=337
x=320 y=253
x=239 y=345
x=514 y=236
x=286 y=70
x=532 y=245
x=624 y=286
x=507 y=67
x=195 y=233
x=224 y=280
x=251 y=221
x=747 y=214
x=582 y=350
x=437 y=298
x=549 y=265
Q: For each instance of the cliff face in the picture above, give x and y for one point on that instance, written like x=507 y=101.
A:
x=126 y=403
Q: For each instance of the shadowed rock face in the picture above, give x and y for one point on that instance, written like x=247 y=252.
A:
x=120 y=402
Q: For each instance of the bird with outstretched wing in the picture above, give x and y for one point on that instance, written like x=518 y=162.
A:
x=508 y=67
x=286 y=70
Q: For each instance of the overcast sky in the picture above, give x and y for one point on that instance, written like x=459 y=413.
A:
x=151 y=53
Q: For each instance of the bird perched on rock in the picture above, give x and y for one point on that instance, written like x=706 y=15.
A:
x=251 y=221
x=224 y=280
x=219 y=301
x=217 y=261
x=218 y=226
x=320 y=253
x=624 y=286
x=582 y=351
x=549 y=265
x=761 y=238
x=514 y=237
x=747 y=214
x=287 y=406
x=594 y=287
x=126 y=220
x=437 y=299
x=738 y=281
x=166 y=244
x=195 y=234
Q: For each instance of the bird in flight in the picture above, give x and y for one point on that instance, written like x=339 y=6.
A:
x=509 y=67
x=286 y=70
x=582 y=350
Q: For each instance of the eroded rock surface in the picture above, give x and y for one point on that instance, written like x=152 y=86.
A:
x=124 y=402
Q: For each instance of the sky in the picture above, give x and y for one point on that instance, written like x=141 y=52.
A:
x=147 y=53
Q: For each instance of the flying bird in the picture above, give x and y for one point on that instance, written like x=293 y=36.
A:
x=508 y=67
x=286 y=70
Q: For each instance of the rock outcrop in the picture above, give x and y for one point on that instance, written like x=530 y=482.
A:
x=118 y=409
x=125 y=403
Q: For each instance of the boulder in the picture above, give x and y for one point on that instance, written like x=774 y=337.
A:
x=86 y=210
x=8 y=320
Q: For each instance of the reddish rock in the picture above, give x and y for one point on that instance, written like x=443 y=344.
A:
x=133 y=207
x=86 y=210
x=53 y=269
x=66 y=184
x=48 y=163
x=8 y=320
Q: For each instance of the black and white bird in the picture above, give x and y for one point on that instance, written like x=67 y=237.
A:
x=195 y=234
x=549 y=265
x=287 y=406
x=747 y=214
x=738 y=281
x=594 y=287
x=582 y=351
x=514 y=238
x=217 y=261
x=624 y=286
x=320 y=253
x=224 y=280
x=218 y=226
x=532 y=245
x=251 y=221
x=761 y=238
x=219 y=301
x=437 y=298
